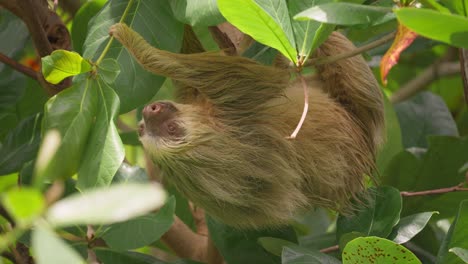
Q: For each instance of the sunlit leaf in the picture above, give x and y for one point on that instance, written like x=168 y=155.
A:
x=266 y=21
x=61 y=64
x=345 y=14
x=24 y=204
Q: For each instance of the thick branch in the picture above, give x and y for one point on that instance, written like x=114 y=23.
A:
x=185 y=243
x=357 y=51
x=431 y=73
x=18 y=66
x=458 y=188
x=223 y=41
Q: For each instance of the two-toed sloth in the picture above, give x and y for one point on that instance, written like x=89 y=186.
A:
x=224 y=143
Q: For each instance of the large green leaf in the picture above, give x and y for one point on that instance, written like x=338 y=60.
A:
x=267 y=21
x=155 y=22
x=107 y=205
x=456 y=236
x=449 y=28
x=48 y=248
x=20 y=145
x=104 y=150
x=71 y=113
x=378 y=219
x=377 y=250
x=81 y=19
x=197 y=12
x=300 y=255
x=345 y=14
x=237 y=246
x=458 y=6
x=141 y=231
x=425 y=114
x=409 y=226
x=61 y=64
x=308 y=34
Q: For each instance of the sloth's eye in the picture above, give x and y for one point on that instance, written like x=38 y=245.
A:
x=171 y=128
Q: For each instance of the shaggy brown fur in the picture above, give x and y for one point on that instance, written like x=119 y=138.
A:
x=234 y=158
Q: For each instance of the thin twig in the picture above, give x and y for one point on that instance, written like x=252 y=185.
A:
x=352 y=53
x=431 y=73
x=18 y=66
x=306 y=107
x=330 y=249
x=458 y=188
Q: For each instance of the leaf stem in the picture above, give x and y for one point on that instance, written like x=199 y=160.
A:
x=111 y=39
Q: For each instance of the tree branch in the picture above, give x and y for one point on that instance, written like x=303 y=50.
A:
x=457 y=188
x=330 y=249
x=18 y=66
x=357 y=51
x=431 y=73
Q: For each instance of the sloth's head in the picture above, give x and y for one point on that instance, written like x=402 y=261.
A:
x=169 y=128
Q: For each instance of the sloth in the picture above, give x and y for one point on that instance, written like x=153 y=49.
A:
x=223 y=142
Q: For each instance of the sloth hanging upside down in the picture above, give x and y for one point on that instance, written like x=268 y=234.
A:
x=223 y=143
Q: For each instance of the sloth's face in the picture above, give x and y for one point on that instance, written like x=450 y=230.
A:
x=160 y=120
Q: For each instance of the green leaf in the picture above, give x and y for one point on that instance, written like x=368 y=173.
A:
x=141 y=231
x=378 y=219
x=376 y=250
x=410 y=226
x=347 y=14
x=71 y=113
x=266 y=21
x=308 y=34
x=197 y=12
x=108 y=70
x=127 y=173
x=300 y=255
x=241 y=246
x=424 y=114
x=107 y=205
x=456 y=236
x=13 y=29
x=461 y=253
x=154 y=21
x=104 y=150
x=449 y=28
x=24 y=204
x=274 y=245
x=20 y=145
x=437 y=168
x=458 y=6
x=117 y=257
x=81 y=19
x=48 y=248
x=61 y=64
